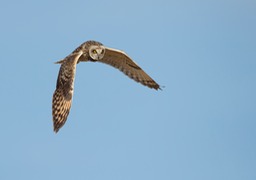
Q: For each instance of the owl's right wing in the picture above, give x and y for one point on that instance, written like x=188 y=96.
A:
x=62 y=97
x=124 y=63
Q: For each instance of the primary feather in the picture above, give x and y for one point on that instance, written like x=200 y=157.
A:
x=62 y=97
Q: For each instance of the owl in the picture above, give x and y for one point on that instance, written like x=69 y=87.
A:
x=91 y=51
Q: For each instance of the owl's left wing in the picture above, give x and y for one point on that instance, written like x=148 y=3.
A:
x=62 y=97
x=124 y=63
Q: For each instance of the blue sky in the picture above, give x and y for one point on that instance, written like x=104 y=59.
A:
x=201 y=126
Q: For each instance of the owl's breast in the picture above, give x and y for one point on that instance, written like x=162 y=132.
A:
x=83 y=57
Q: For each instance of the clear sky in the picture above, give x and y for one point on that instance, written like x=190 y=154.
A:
x=202 y=126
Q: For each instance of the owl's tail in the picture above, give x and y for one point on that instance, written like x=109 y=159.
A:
x=60 y=62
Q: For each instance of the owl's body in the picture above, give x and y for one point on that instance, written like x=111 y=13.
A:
x=90 y=51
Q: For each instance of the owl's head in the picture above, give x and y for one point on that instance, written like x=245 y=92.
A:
x=96 y=52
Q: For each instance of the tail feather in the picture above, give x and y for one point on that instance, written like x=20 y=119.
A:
x=60 y=61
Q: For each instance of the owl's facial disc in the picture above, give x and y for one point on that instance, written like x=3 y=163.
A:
x=96 y=52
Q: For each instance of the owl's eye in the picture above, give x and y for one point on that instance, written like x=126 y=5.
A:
x=94 y=51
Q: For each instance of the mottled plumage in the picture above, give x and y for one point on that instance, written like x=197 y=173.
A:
x=91 y=51
x=117 y=59
x=62 y=97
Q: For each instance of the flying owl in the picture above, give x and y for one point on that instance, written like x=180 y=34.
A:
x=95 y=52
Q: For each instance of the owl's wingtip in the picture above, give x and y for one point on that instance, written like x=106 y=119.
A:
x=161 y=88
x=55 y=130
